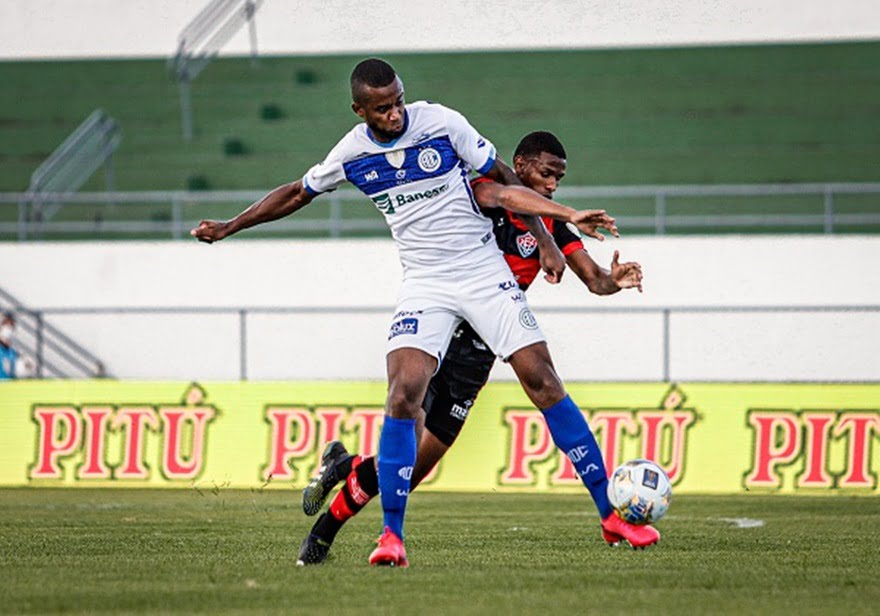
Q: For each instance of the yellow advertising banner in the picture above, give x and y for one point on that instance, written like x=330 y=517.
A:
x=710 y=438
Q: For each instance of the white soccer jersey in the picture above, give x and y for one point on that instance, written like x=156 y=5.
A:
x=419 y=182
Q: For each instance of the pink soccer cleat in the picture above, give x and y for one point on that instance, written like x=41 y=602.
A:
x=390 y=552
x=615 y=530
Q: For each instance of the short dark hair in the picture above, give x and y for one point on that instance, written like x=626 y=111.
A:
x=539 y=141
x=372 y=72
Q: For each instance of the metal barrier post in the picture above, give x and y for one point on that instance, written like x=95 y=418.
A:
x=829 y=210
x=251 y=8
x=666 y=343
x=335 y=216
x=242 y=344
x=38 y=316
x=22 y=220
x=176 y=218
x=185 y=108
x=660 y=213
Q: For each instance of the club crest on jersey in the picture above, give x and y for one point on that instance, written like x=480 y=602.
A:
x=396 y=158
x=526 y=244
x=429 y=160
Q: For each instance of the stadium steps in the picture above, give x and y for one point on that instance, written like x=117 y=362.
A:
x=53 y=352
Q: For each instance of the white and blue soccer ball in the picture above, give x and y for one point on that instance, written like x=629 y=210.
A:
x=639 y=491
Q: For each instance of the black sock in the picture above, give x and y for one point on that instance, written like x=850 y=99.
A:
x=326 y=527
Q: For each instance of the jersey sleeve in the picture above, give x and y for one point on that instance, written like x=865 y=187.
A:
x=326 y=175
x=567 y=241
x=471 y=147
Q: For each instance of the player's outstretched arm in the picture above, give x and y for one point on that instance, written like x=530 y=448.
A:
x=602 y=281
x=278 y=203
x=522 y=200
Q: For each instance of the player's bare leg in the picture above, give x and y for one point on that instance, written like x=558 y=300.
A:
x=572 y=435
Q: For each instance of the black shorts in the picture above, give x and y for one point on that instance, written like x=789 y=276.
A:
x=451 y=393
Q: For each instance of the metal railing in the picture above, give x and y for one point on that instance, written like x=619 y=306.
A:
x=664 y=312
x=87 y=148
x=175 y=225
x=200 y=42
x=53 y=352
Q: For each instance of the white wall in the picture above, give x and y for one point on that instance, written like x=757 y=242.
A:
x=680 y=272
x=55 y=28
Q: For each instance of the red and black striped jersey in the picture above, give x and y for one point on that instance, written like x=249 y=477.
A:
x=519 y=246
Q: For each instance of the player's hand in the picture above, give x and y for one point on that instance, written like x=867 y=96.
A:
x=589 y=222
x=626 y=275
x=210 y=231
x=552 y=261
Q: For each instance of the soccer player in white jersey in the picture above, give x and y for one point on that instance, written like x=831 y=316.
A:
x=413 y=162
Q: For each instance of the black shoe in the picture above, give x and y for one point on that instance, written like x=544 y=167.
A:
x=319 y=488
x=313 y=551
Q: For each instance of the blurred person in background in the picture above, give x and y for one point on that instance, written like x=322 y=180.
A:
x=12 y=364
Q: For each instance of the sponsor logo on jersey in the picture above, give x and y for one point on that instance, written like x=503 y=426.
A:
x=396 y=158
x=527 y=319
x=507 y=285
x=485 y=239
x=526 y=244
x=519 y=297
x=372 y=175
x=422 y=137
x=404 y=326
x=405 y=472
x=405 y=198
x=383 y=203
x=459 y=412
x=429 y=160
x=401 y=173
x=481 y=143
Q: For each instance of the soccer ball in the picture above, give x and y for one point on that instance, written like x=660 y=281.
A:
x=639 y=491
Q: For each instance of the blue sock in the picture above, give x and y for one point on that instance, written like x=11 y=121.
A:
x=397 y=455
x=572 y=435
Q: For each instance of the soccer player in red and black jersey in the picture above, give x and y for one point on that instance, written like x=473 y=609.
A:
x=540 y=163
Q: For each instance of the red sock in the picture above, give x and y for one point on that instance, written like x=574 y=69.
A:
x=361 y=485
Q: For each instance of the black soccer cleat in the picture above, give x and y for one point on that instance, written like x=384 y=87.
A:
x=316 y=493
x=313 y=551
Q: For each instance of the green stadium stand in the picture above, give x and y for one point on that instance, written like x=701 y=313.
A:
x=776 y=114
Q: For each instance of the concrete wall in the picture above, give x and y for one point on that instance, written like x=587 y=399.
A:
x=346 y=291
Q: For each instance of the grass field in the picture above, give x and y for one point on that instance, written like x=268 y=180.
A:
x=222 y=551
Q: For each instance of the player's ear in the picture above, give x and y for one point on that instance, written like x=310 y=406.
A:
x=358 y=109
x=519 y=164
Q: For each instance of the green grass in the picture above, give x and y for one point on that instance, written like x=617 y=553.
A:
x=221 y=551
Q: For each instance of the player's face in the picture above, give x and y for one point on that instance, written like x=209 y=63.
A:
x=541 y=173
x=382 y=109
